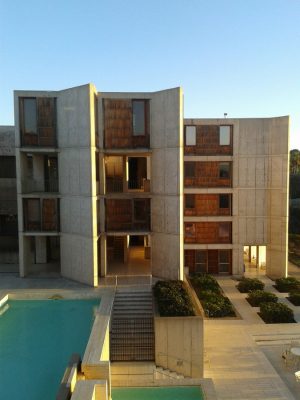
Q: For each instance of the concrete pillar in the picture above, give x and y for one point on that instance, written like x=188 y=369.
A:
x=41 y=249
x=257 y=256
x=126 y=248
x=102 y=187
x=103 y=258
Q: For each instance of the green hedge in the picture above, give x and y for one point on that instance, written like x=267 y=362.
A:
x=245 y=285
x=294 y=297
x=214 y=304
x=276 y=313
x=205 y=282
x=256 y=297
x=287 y=284
x=172 y=299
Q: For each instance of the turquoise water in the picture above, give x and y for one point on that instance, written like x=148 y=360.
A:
x=37 y=339
x=158 y=393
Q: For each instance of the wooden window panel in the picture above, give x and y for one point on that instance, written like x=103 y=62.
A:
x=49 y=215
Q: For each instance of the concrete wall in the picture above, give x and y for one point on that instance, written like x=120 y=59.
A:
x=167 y=184
x=76 y=161
x=186 y=359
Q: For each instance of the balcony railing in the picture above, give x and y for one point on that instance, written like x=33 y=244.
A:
x=34 y=185
x=115 y=185
x=134 y=226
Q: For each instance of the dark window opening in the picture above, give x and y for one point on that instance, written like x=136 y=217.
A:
x=224 y=260
x=224 y=201
x=7 y=167
x=137 y=172
x=201 y=261
x=189 y=201
x=224 y=170
x=189 y=169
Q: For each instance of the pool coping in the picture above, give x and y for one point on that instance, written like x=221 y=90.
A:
x=206 y=384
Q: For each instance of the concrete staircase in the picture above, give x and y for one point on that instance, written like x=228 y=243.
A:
x=132 y=330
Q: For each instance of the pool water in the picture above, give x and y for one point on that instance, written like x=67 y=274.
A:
x=37 y=338
x=158 y=393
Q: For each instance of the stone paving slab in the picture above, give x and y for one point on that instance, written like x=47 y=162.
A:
x=237 y=365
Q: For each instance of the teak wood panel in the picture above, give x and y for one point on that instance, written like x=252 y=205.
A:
x=127 y=215
x=207 y=142
x=118 y=131
x=207 y=232
x=212 y=261
x=206 y=175
x=206 y=205
x=49 y=215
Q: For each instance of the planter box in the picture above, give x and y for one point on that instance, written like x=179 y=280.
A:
x=179 y=344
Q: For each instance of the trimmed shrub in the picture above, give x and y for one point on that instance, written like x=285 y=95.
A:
x=245 y=285
x=288 y=284
x=205 y=282
x=294 y=297
x=256 y=297
x=276 y=313
x=172 y=299
x=217 y=306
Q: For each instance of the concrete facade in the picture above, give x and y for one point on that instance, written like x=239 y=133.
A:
x=80 y=243
x=259 y=207
x=78 y=201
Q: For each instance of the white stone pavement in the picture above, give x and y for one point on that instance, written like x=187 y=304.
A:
x=237 y=356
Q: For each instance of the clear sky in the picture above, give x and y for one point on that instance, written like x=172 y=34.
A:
x=236 y=56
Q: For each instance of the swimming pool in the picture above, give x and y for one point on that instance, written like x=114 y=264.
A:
x=37 y=338
x=158 y=393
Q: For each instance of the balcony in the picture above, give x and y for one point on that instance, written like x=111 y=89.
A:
x=128 y=215
x=40 y=186
x=41 y=215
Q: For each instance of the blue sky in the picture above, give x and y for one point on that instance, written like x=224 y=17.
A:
x=236 y=56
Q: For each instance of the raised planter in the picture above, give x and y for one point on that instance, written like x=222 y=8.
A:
x=256 y=297
x=179 y=339
x=276 y=313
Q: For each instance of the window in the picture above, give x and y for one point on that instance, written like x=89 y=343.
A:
x=224 y=135
x=139 y=117
x=30 y=116
x=224 y=230
x=7 y=167
x=190 y=136
x=189 y=169
x=224 y=201
x=224 y=170
x=190 y=230
x=224 y=261
x=201 y=261
x=189 y=201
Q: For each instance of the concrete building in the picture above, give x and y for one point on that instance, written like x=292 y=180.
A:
x=101 y=179
x=236 y=195
x=8 y=201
